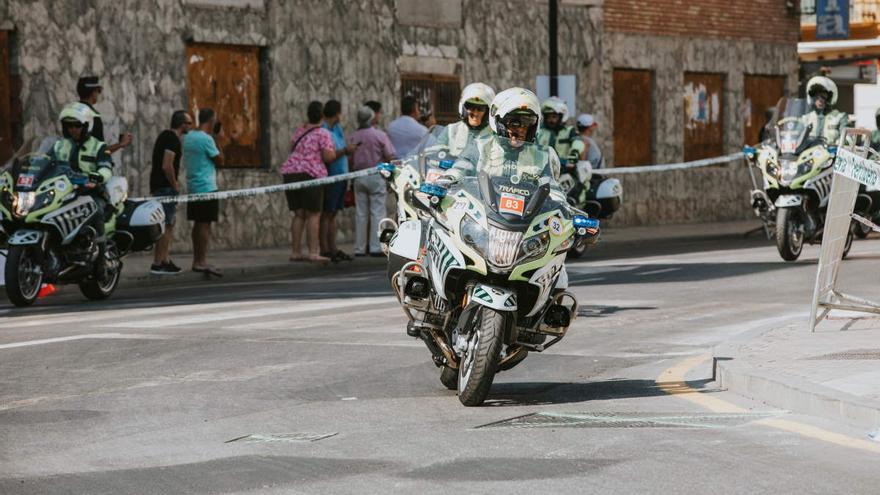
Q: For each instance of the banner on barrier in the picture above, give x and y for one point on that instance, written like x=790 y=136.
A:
x=857 y=168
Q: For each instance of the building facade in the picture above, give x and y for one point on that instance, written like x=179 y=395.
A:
x=666 y=83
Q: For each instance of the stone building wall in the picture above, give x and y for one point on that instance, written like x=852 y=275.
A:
x=354 y=50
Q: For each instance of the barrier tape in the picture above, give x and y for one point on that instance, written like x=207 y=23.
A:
x=671 y=166
x=293 y=186
x=255 y=191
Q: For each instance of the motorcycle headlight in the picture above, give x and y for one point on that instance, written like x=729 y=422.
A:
x=534 y=247
x=23 y=202
x=789 y=169
x=498 y=246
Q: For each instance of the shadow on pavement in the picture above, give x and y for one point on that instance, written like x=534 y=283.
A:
x=546 y=393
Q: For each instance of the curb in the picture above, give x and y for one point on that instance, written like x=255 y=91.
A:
x=293 y=270
x=792 y=393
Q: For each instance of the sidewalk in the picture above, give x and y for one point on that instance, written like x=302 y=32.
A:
x=833 y=373
x=257 y=262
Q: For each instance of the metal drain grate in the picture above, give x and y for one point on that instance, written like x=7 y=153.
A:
x=282 y=437
x=853 y=355
x=627 y=420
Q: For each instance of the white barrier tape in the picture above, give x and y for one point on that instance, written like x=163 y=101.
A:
x=254 y=191
x=671 y=166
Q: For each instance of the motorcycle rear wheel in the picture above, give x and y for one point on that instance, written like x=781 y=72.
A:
x=789 y=233
x=24 y=276
x=476 y=371
x=98 y=290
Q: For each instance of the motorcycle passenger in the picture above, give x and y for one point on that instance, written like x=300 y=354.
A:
x=554 y=133
x=87 y=155
x=473 y=107
x=826 y=121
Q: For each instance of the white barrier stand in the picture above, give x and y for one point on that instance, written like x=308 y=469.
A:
x=851 y=168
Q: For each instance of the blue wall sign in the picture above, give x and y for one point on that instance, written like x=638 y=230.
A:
x=832 y=19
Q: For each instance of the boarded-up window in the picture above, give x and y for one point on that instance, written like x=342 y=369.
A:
x=633 y=117
x=227 y=79
x=703 y=115
x=6 y=144
x=761 y=93
x=435 y=93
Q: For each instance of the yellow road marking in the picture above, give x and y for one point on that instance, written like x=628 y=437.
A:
x=672 y=381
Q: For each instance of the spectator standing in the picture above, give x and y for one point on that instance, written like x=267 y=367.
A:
x=201 y=157
x=406 y=131
x=376 y=107
x=88 y=88
x=583 y=146
x=163 y=182
x=334 y=194
x=311 y=149
x=371 y=147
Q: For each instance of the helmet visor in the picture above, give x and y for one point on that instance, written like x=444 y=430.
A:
x=519 y=120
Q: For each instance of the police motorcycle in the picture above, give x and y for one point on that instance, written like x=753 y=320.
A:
x=597 y=196
x=483 y=282
x=796 y=173
x=46 y=222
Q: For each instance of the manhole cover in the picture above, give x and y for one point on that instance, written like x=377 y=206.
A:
x=853 y=355
x=627 y=420
x=282 y=437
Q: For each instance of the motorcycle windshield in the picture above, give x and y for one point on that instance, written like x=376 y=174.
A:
x=30 y=170
x=513 y=179
x=792 y=128
x=431 y=157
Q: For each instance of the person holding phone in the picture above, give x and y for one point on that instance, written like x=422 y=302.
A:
x=334 y=194
x=201 y=158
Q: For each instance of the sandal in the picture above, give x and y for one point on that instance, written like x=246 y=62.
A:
x=318 y=259
x=209 y=271
x=296 y=257
x=341 y=255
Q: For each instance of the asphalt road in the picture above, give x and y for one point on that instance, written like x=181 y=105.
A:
x=312 y=386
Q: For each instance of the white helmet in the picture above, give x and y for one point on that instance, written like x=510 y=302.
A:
x=476 y=93
x=514 y=101
x=77 y=112
x=555 y=104
x=823 y=83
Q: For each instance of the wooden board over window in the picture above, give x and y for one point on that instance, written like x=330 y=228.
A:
x=633 y=117
x=227 y=79
x=703 y=96
x=6 y=144
x=437 y=93
x=762 y=93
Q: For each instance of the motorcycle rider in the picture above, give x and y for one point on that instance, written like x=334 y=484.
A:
x=826 y=121
x=554 y=133
x=87 y=155
x=473 y=107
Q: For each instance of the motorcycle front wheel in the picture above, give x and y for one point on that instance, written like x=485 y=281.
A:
x=24 y=275
x=479 y=362
x=578 y=249
x=789 y=233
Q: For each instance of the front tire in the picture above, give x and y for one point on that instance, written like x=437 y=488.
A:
x=578 y=249
x=476 y=371
x=24 y=275
x=789 y=233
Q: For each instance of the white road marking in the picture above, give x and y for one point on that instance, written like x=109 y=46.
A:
x=292 y=308
x=582 y=280
x=657 y=272
x=70 y=338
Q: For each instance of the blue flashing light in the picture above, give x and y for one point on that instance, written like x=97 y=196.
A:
x=832 y=150
x=433 y=190
x=749 y=151
x=446 y=164
x=389 y=167
x=581 y=221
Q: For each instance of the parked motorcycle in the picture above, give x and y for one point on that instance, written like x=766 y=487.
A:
x=591 y=193
x=483 y=282
x=796 y=183
x=47 y=220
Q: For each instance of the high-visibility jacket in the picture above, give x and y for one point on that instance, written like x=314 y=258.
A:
x=89 y=157
x=830 y=125
x=459 y=135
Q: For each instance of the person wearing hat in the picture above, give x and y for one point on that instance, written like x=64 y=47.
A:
x=583 y=146
x=372 y=146
x=88 y=88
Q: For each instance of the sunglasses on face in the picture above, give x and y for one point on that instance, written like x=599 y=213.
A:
x=474 y=106
x=73 y=125
x=521 y=121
